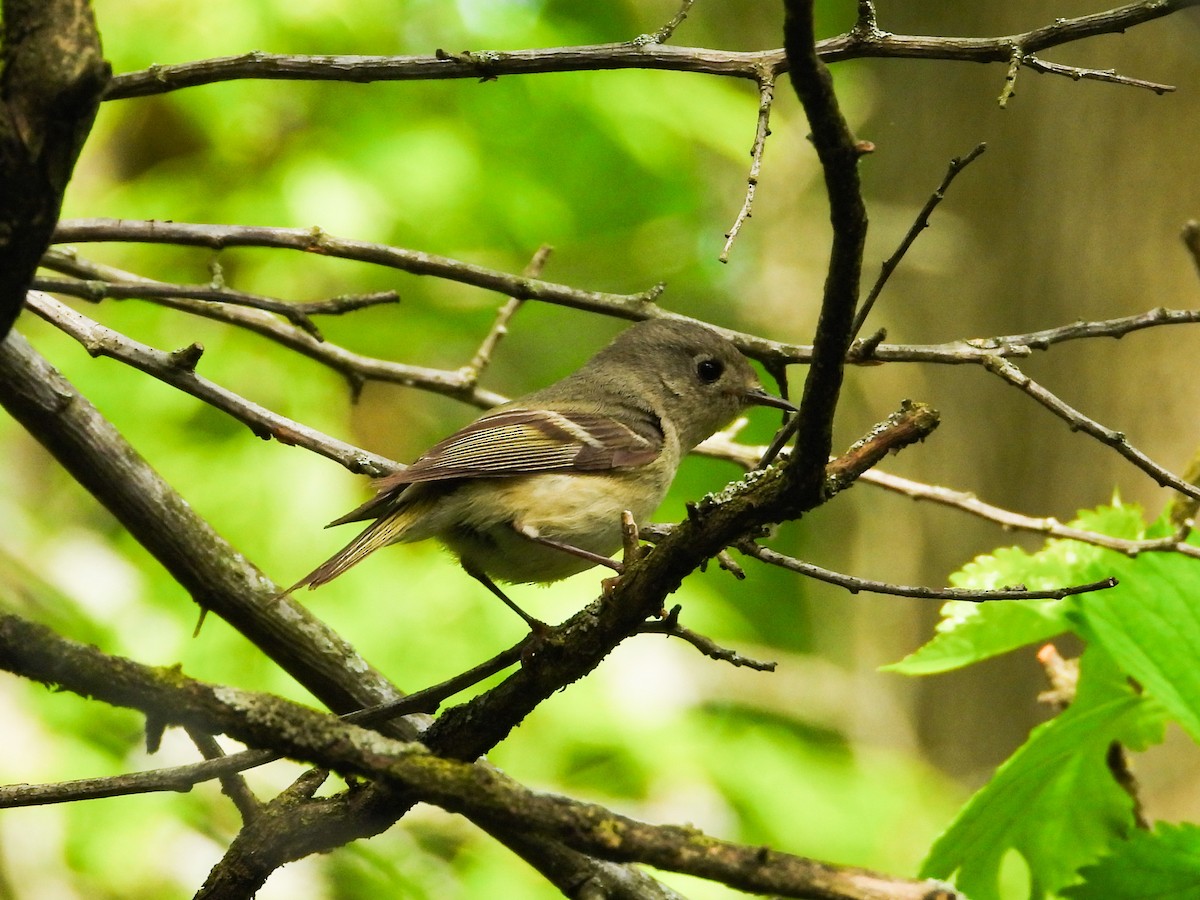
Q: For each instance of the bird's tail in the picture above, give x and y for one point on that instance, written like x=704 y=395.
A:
x=383 y=531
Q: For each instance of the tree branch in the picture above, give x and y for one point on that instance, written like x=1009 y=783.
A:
x=747 y=457
x=52 y=72
x=919 y=224
x=314 y=240
x=855 y=44
x=838 y=152
x=1079 y=422
x=856 y=585
x=355 y=368
x=766 y=98
x=477 y=791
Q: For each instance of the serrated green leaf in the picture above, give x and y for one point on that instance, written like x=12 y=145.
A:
x=1054 y=801
x=970 y=632
x=1154 y=865
x=1150 y=624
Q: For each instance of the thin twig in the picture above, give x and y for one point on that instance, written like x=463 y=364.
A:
x=856 y=585
x=314 y=240
x=175 y=778
x=1079 y=73
x=670 y=626
x=919 y=224
x=355 y=368
x=99 y=340
x=483 y=356
x=429 y=699
x=720 y=447
x=1105 y=328
x=1079 y=422
x=664 y=34
x=766 y=98
x=1016 y=54
x=298 y=314
x=359 y=368
x=232 y=783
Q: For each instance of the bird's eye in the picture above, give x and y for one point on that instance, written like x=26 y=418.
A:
x=709 y=370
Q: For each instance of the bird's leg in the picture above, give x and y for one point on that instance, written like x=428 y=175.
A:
x=531 y=534
x=537 y=626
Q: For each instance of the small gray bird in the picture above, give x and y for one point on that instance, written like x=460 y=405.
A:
x=533 y=490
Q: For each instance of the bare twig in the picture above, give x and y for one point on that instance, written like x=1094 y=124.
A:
x=1079 y=422
x=355 y=368
x=499 y=329
x=748 y=457
x=297 y=313
x=920 y=224
x=766 y=97
x=99 y=340
x=1104 y=328
x=856 y=585
x=430 y=698
x=669 y=625
x=175 y=778
x=1047 y=526
x=1079 y=73
x=664 y=34
x=314 y=240
x=358 y=368
x=232 y=783
x=1016 y=55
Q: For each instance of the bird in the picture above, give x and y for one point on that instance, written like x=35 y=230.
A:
x=533 y=490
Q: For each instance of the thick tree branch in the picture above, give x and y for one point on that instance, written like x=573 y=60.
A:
x=52 y=72
x=477 y=791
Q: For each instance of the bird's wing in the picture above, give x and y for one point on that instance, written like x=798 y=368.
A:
x=522 y=442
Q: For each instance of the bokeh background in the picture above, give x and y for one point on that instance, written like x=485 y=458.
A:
x=1073 y=213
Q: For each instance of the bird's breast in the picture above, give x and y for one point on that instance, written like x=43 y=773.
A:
x=583 y=510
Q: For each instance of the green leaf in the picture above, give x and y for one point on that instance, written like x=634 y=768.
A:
x=1150 y=624
x=1054 y=801
x=1160 y=864
x=970 y=632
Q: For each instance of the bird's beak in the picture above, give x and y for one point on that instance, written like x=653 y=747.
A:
x=758 y=397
